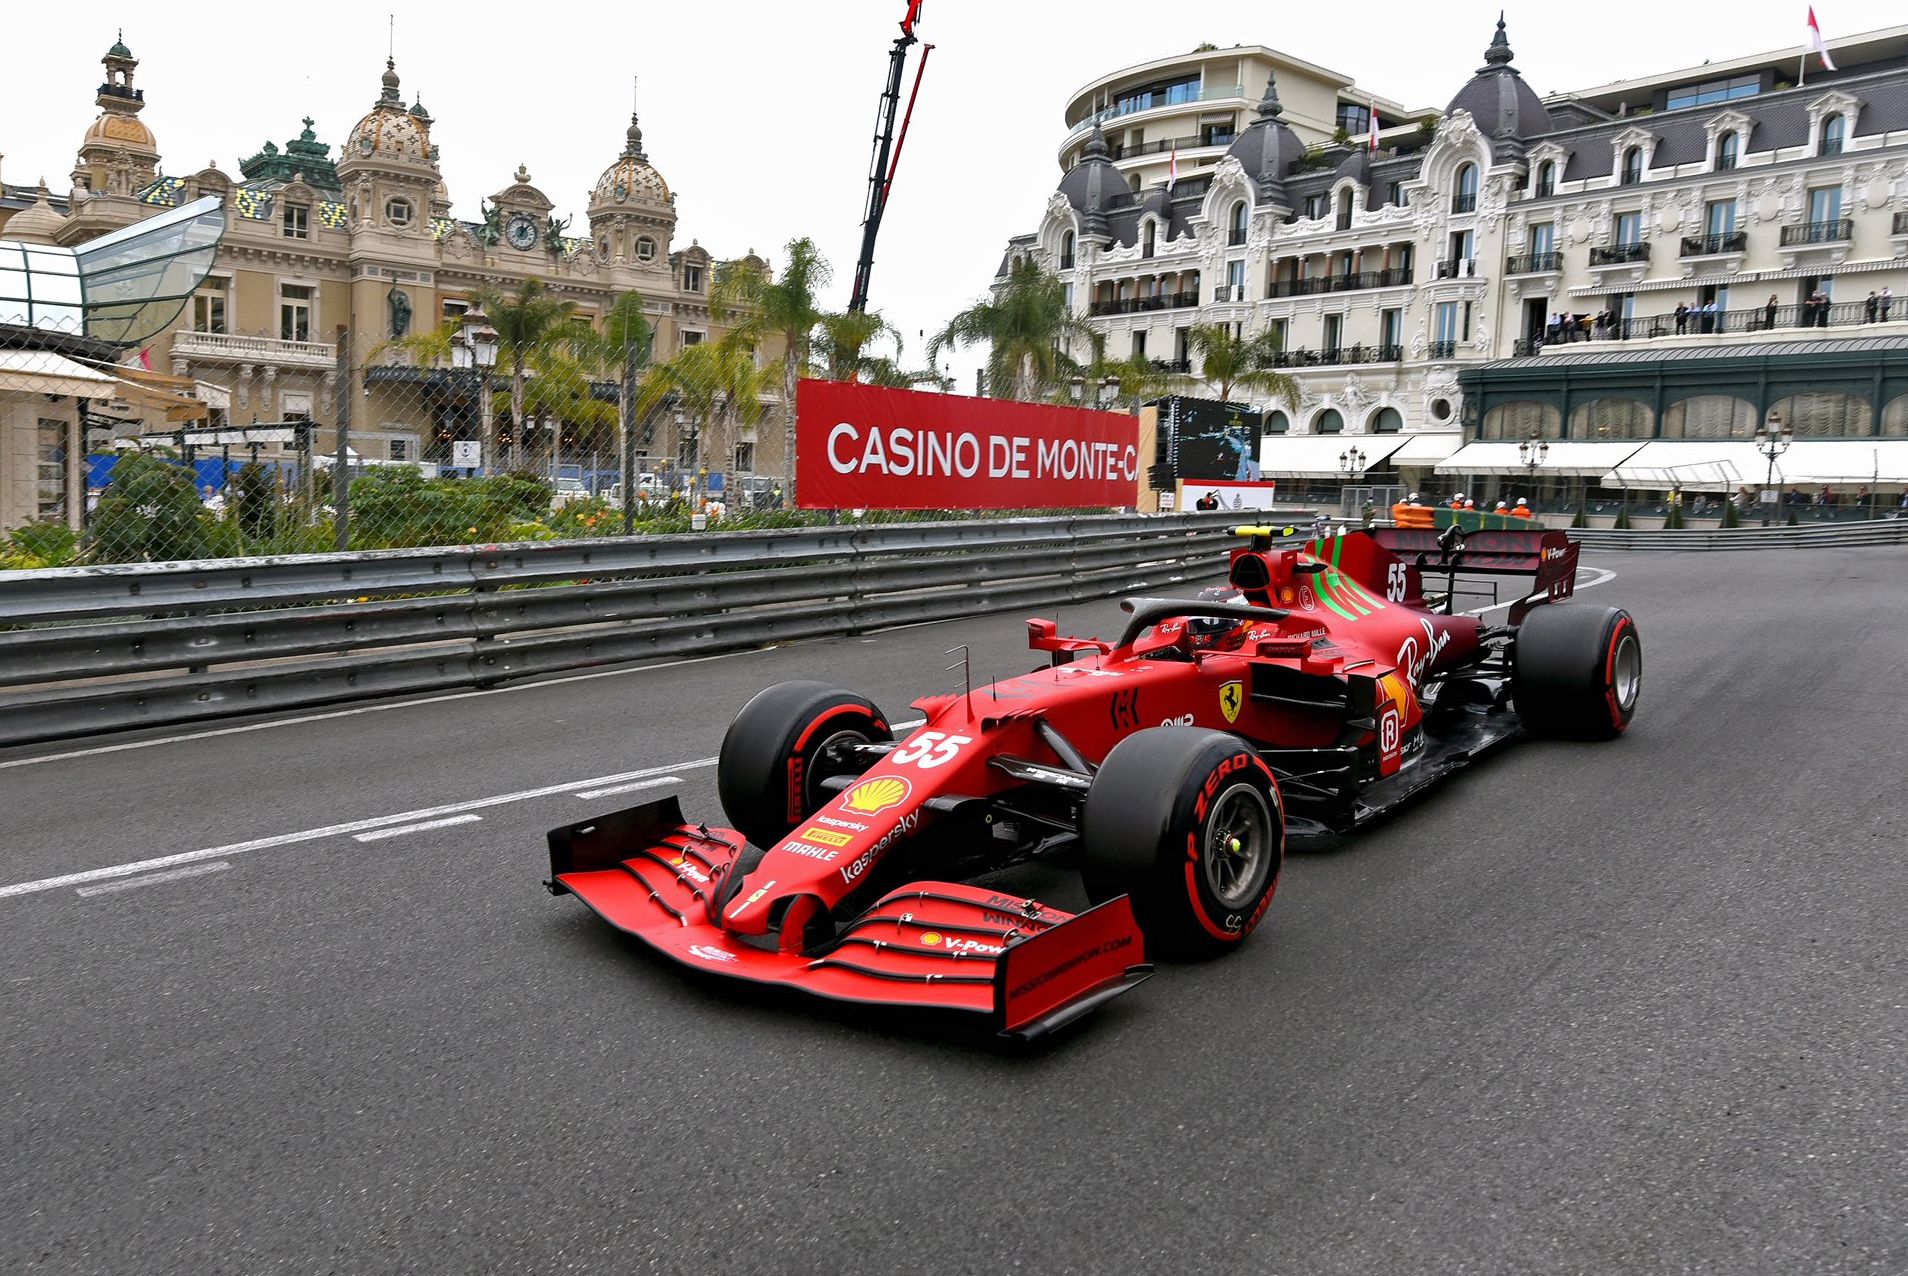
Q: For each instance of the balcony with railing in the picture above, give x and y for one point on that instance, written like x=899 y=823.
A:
x=1162 y=145
x=1464 y=203
x=1620 y=254
x=1235 y=237
x=1157 y=101
x=1333 y=356
x=1721 y=244
x=1358 y=281
x=1179 y=367
x=1458 y=268
x=1901 y=224
x=1533 y=264
x=1138 y=305
x=1066 y=261
x=1754 y=323
x=1441 y=350
x=1838 y=231
x=1229 y=292
x=233 y=347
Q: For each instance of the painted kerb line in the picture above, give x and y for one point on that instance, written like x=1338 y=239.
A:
x=403 y=829
x=153 y=879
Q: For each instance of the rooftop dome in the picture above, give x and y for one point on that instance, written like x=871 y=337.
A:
x=1268 y=148
x=1356 y=165
x=1094 y=185
x=37 y=223
x=631 y=179
x=119 y=49
x=1505 y=109
x=390 y=132
x=114 y=129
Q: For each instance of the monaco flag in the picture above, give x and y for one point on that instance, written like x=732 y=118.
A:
x=1816 y=42
x=1172 y=170
x=1372 y=145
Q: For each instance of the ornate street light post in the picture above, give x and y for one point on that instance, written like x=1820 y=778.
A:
x=474 y=348
x=1772 y=441
x=1532 y=453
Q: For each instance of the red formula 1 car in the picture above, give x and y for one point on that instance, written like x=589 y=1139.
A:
x=1319 y=689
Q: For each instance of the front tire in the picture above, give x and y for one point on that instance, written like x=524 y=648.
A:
x=1577 y=672
x=772 y=762
x=1189 y=824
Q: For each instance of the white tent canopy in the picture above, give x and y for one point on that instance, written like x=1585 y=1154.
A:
x=1710 y=465
x=1317 y=455
x=1427 y=448
x=1561 y=458
x=43 y=372
x=1845 y=462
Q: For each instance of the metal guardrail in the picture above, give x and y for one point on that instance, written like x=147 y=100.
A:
x=107 y=648
x=1887 y=531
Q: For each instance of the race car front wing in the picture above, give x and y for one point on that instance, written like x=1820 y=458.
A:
x=1027 y=968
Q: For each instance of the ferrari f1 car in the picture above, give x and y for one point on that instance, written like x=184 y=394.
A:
x=1316 y=691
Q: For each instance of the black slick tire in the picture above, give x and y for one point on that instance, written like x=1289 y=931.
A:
x=1577 y=672
x=1189 y=824
x=770 y=768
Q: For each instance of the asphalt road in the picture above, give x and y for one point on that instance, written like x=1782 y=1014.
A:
x=1634 y=1007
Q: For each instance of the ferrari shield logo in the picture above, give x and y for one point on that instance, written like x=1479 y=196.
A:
x=1231 y=699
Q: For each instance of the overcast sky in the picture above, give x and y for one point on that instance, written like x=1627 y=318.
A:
x=760 y=113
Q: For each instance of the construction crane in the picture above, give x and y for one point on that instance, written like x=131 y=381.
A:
x=887 y=147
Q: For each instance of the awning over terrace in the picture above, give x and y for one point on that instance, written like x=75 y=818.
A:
x=1317 y=455
x=1727 y=464
x=1561 y=459
x=43 y=372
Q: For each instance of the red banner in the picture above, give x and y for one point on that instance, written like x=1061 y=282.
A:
x=864 y=447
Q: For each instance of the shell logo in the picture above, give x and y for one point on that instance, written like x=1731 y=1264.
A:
x=877 y=795
x=931 y=939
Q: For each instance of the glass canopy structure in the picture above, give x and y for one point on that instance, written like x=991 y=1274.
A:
x=120 y=288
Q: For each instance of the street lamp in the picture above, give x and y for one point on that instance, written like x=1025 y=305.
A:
x=1772 y=441
x=474 y=348
x=1532 y=453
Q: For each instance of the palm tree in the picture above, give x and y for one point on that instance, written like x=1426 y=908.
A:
x=527 y=322
x=1227 y=361
x=788 y=308
x=1025 y=325
x=845 y=336
x=715 y=384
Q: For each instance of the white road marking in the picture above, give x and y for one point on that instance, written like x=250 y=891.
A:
x=194 y=870
x=631 y=787
x=1604 y=575
x=334 y=830
x=379 y=835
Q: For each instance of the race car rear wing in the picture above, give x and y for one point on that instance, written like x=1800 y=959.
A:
x=1548 y=557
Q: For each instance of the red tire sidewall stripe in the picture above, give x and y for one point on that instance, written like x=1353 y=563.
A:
x=1624 y=626
x=1193 y=892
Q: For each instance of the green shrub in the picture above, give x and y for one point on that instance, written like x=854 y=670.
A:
x=1731 y=516
x=1673 y=522
x=1622 y=523
x=254 y=502
x=150 y=512
x=1582 y=518
x=48 y=544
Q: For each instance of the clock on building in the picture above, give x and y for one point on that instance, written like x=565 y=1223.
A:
x=521 y=232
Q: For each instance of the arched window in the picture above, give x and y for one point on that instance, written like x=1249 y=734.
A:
x=1328 y=422
x=1066 y=251
x=1894 y=422
x=1523 y=419
x=1546 y=179
x=1633 y=166
x=1612 y=418
x=1146 y=240
x=1727 y=151
x=1386 y=421
x=1710 y=416
x=1277 y=422
x=1344 y=210
x=1826 y=414
x=1834 y=133
x=1236 y=226
x=1465 y=199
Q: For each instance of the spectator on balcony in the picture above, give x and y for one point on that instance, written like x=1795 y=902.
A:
x=1712 y=316
x=1870 y=306
x=1769 y=314
x=1682 y=317
x=1886 y=299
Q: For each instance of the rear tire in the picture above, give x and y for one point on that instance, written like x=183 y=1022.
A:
x=1189 y=824
x=770 y=769
x=1577 y=672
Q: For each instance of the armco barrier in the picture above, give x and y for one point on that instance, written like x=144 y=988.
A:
x=1886 y=531
x=107 y=648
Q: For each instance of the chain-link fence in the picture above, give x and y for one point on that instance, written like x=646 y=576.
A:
x=214 y=444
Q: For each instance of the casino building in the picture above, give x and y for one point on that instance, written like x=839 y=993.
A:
x=1417 y=291
x=365 y=242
